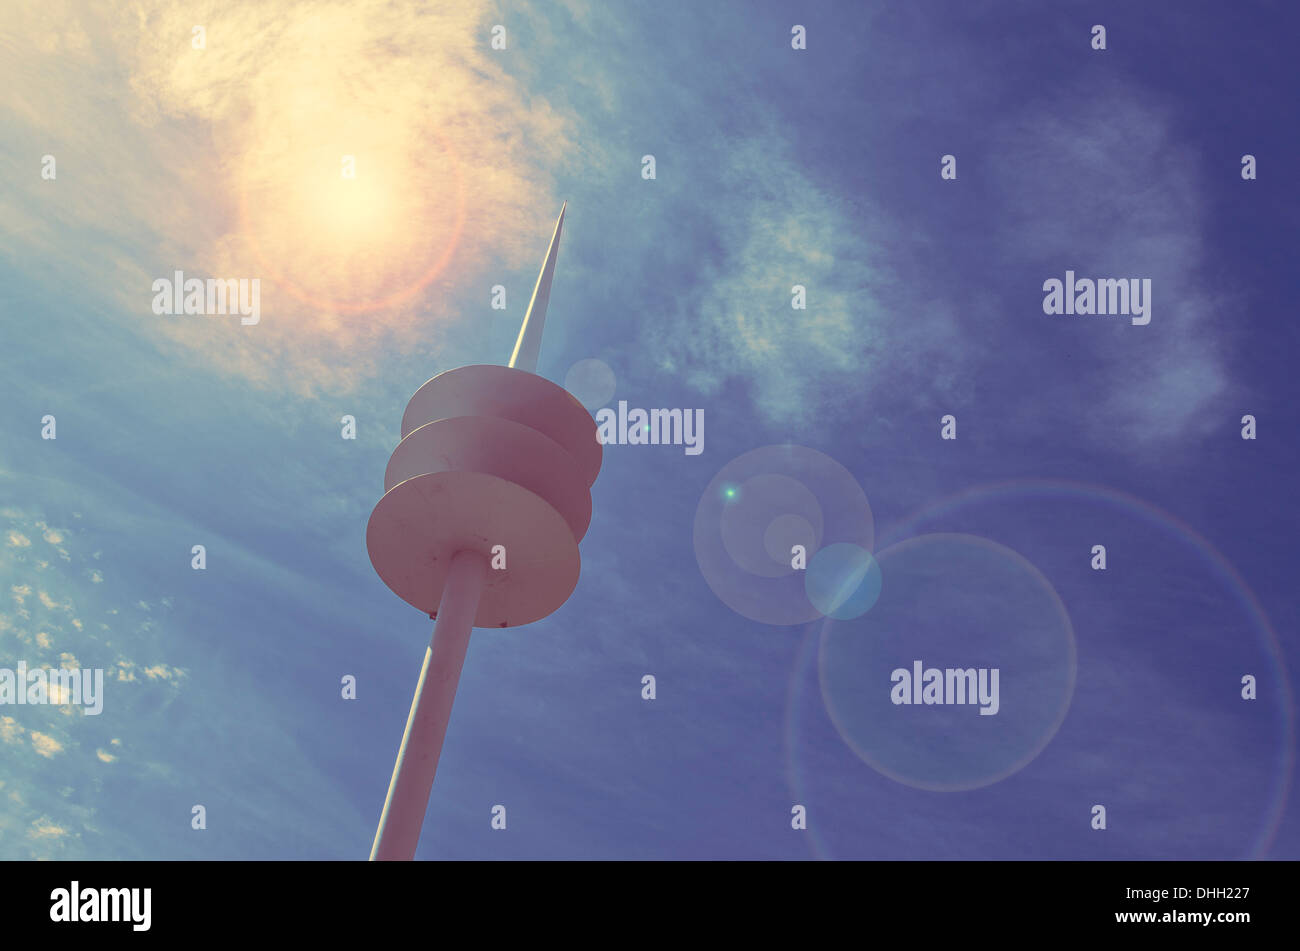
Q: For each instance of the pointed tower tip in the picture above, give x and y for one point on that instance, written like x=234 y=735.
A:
x=529 y=344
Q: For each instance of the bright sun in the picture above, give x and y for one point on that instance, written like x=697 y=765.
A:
x=352 y=210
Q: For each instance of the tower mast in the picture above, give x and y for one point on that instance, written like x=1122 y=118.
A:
x=495 y=463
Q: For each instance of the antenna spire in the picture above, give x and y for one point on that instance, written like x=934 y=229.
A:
x=529 y=344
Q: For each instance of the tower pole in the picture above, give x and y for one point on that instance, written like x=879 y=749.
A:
x=426 y=724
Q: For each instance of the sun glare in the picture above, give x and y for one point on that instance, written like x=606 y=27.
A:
x=352 y=209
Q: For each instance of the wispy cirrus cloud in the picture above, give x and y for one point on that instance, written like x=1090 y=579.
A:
x=738 y=321
x=1098 y=180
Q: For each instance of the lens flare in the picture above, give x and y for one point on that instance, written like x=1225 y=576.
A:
x=762 y=516
x=843 y=581
x=1157 y=730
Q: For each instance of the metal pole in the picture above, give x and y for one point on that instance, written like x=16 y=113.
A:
x=426 y=726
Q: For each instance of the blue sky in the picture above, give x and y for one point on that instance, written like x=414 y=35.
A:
x=774 y=167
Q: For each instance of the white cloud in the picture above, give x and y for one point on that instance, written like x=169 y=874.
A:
x=10 y=731
x=46 y=745
x=44 y=828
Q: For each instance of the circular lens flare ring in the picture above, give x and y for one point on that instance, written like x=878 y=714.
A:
x=951 y=602
x=762 y=504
